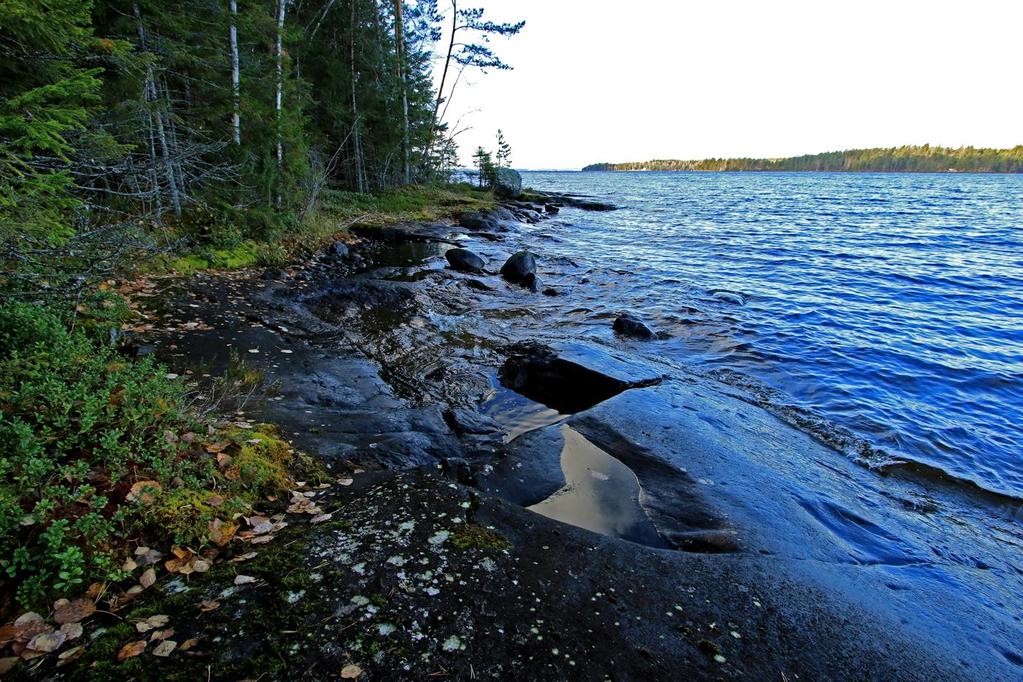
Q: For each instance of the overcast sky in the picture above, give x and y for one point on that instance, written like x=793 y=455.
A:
x=607 y=80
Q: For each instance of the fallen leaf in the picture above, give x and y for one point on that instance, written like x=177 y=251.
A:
x=351 y=672
x=152 y=623
x=245 y=557
x=144 y=492
x=69 y=655
x=243 y=579
x=72 y=630
x=131 y=650
x=209 y=605
x=148 y=578
x=321 y=518
x=129 y=565
x=47 y=642
x=214 y=448
x=345 y=481
x=7 y=664
x=188 y=644
x=164 y=648
x=161 y=635
x=261 y=539
x=26 y=619
x=73 y=611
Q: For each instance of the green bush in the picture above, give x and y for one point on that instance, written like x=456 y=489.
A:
x=79 y=425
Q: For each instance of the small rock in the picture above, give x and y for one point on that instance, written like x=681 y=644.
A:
x=630 y=325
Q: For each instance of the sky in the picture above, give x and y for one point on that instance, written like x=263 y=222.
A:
x=606 y=80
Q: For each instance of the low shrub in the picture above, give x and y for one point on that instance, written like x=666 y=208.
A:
x=97 y=451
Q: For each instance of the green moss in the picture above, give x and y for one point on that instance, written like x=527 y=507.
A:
x=471 y=535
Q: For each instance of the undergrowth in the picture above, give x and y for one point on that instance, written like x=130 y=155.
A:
x=99 y=452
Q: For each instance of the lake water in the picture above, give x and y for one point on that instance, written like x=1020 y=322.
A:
x=883 y=312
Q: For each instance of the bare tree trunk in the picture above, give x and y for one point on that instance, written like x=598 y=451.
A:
x=447 y=59
x=282 y=6
x=279 y=59
x=150 y=96
x=360 y=172
x=235 y=75
x=399 y=35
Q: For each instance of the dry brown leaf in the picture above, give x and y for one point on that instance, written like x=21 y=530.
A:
x=261 y=539
x=73 y=611
x=129 y=565
x=245 y=557
x=164 y=648
x=351 y=672
x=148 y=578
x=7 y=664
x=152 y=623
x=144 y=492
x=69 y=655
x=260 y=524
x=243 y=579
x=46 y=642
x=216 y=448
x=188 y=644
x=321 y=518
x=209 y=605
x=160 y=635
x=72 y=630
x=131 y=649
x=200 y=565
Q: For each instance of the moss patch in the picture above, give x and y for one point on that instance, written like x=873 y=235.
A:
x=471 y=535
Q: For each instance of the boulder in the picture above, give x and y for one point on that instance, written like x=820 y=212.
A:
x=516 y=268
x=507 y=183
x=630 y=325
x=465 y=260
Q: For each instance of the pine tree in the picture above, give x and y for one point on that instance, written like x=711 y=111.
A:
x=45 y=100
x=503 y=157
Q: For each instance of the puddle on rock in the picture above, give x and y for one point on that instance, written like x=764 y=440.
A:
x=600 y=494
x=518 y=414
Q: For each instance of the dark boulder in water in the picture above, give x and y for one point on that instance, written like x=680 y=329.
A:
x=630 y=325
x=518 y=267
x=465 y=260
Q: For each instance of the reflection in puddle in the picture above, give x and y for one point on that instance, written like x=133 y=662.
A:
x=517 y=414
x=600 y=494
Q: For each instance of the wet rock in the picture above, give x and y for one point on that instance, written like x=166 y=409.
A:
x=533 y=282
x=477 y=220
x=338 y=250
x=465 y=260
x=630 y=325
x=518 y=267
x=477 y=285
x=507 y=183
x=572 y=378
x=550 y=291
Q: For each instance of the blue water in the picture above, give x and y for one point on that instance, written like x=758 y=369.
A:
x=887 y=305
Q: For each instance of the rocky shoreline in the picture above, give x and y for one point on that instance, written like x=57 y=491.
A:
x=437 y=385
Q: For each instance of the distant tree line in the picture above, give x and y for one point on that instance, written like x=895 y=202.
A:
x=907 y=159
